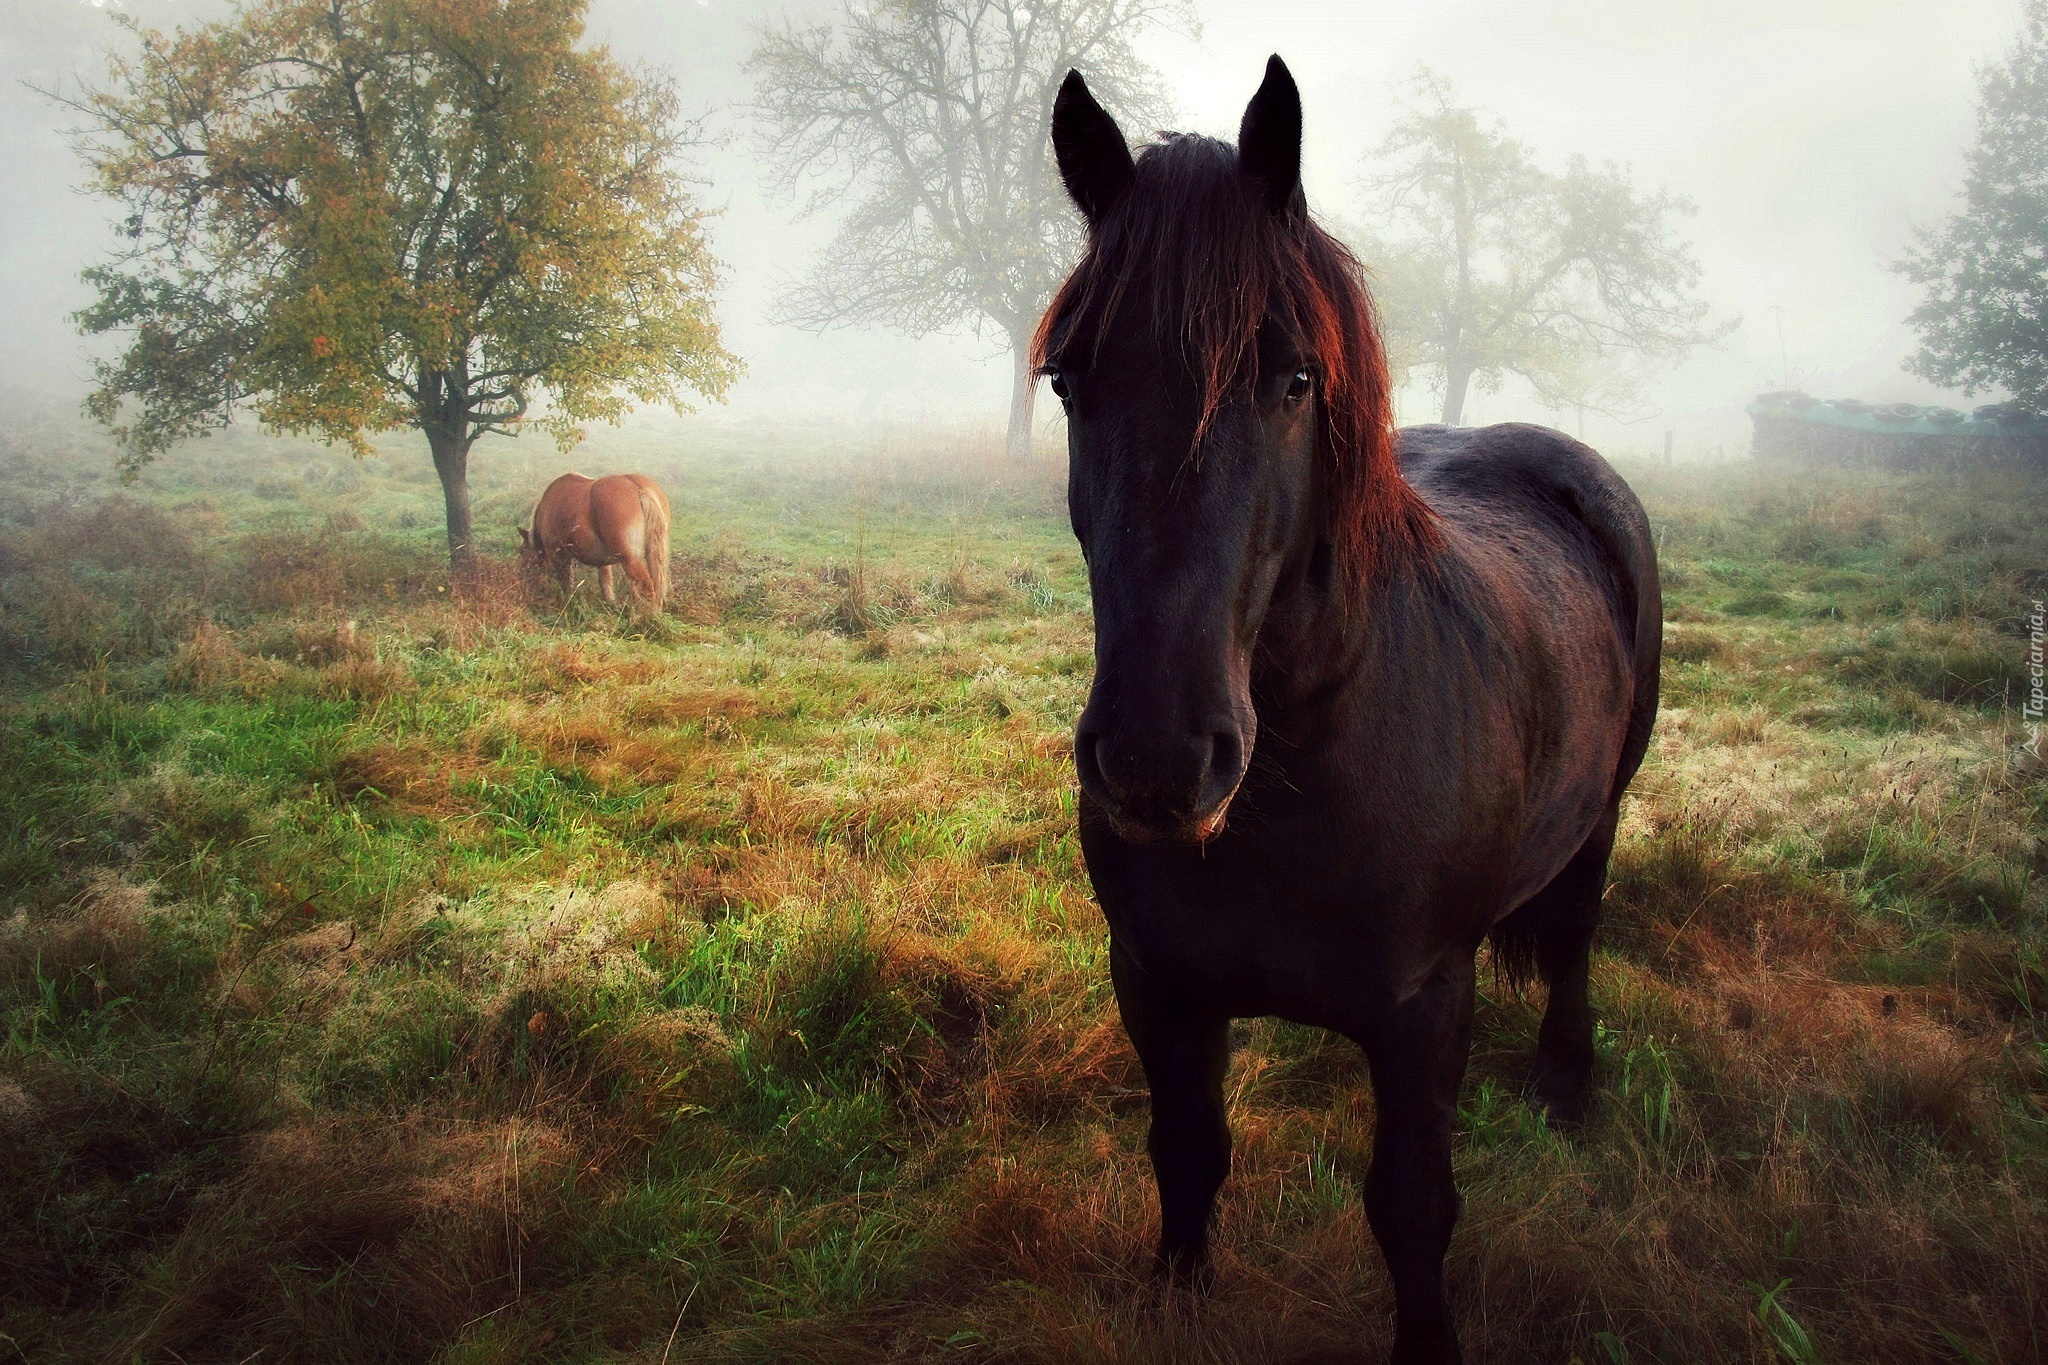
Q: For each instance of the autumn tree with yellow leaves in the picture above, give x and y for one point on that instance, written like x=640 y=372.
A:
x=356 y=216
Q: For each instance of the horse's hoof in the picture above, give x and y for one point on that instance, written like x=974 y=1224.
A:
x=1564 y=1094
x=1438 y=1346
x=1185 y=1271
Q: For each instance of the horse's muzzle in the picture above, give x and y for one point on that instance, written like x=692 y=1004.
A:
x=1162 y=786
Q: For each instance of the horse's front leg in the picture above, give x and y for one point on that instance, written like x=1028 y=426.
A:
x=1184 y=1051
x=604 y=583
x=1411 y=1201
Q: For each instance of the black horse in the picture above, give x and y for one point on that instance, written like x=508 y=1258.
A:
x=1361 y=699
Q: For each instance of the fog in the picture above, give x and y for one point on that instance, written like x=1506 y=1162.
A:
x=1813 y=135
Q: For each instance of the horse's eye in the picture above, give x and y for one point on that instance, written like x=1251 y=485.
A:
x=1298 y=387
x=1058 y=383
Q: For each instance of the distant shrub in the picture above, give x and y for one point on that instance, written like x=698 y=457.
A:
x=325 y=659
x=114 y=534
x=364 y=680
x=1829 y=537
x=1731 y=728
x=1888 y=712
x=296 y=569
x=1694 y=647
x=1764 y=603
x=1963 y=670
x=110 y=580
x=310 y=643
x=1738 y=575
x=210 y=662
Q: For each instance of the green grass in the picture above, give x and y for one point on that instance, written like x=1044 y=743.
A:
x=387 y=972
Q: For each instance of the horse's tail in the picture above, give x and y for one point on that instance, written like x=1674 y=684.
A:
x=654 y=513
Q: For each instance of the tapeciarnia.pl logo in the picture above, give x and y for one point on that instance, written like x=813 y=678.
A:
x=2036 y=704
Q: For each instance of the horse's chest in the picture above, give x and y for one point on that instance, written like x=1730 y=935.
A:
x=1252 y=934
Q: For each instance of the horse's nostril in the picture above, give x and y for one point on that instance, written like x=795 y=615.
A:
x=1087 y=758
x=1226 y=758
x=1225 y=766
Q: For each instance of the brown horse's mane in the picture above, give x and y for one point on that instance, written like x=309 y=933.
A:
x=1221 y=261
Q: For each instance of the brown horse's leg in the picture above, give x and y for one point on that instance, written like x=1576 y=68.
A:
x=642 y=581
x=563 y=572
x=1184 y=1052
x=1561 y=918
x=604 y=583
x=1411 y=1201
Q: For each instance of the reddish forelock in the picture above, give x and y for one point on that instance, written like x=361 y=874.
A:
x=1217 y=262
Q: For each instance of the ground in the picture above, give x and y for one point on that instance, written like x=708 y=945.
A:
x=389 y=972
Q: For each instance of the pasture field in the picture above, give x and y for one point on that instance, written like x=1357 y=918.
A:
x=391 y=973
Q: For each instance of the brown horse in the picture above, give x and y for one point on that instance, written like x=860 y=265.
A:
x=617 y=519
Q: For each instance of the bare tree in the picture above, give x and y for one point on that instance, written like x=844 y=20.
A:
x=1490 y=266
x=928 y=119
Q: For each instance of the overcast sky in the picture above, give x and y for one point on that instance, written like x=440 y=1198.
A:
x=1812 y=134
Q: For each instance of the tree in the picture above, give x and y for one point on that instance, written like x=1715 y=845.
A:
x=930 y=118
x=1984 y=320
x=1489 y=266
x=361 y=215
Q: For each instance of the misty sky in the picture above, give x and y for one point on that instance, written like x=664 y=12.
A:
x=1812 y=134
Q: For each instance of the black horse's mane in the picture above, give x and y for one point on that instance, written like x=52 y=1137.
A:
x=1219 y=262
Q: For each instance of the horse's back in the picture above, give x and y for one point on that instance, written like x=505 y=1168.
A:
x=565 y=487
x=620 y=497
x=1540 y=477
x=1550 y=509
x=575 y=504
x=561 y=506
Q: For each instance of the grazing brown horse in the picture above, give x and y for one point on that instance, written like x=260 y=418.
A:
x=1361 y=698
x=617 y=519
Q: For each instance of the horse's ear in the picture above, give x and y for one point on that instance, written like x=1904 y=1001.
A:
x=524 y=538
x=1269 y=139
x=1095 y=161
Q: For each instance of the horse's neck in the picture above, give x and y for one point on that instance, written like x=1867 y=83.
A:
x=1345 y=635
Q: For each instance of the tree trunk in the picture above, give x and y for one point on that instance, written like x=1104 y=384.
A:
x=451 y=462
x=1457 y=379
x=1023 y=396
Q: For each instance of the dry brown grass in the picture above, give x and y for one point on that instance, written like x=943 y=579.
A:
x=417 y=778
x=726 y=986
x=83 y=584
x=437 y=1214
x=298 y=570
